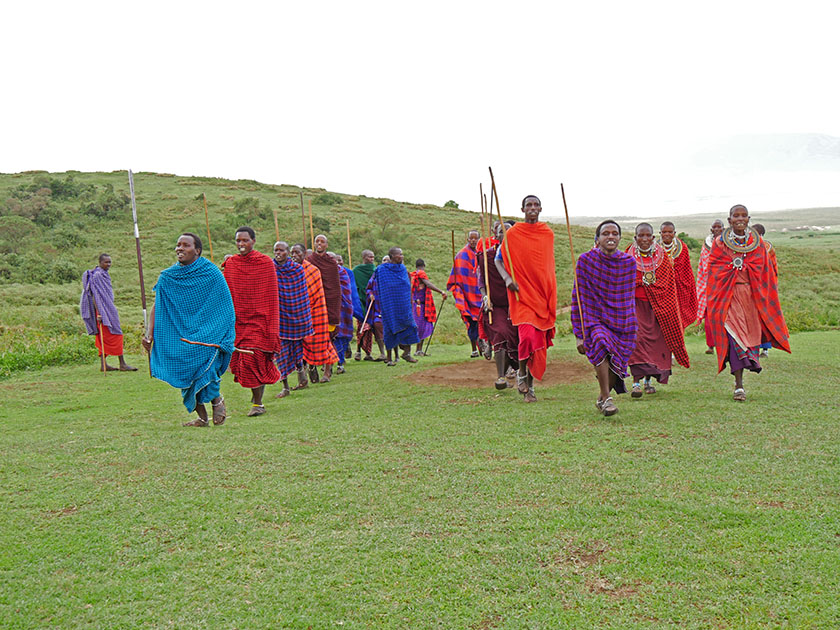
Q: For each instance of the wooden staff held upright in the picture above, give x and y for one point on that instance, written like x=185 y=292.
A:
x=207 y=222
x=302 y=219
x=486 y=245
x=505 y=246
x=311 y=229
x=574 y=263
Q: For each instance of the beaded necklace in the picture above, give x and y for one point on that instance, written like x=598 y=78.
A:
x=740 y=245
x=648 y=261
x=674 y=248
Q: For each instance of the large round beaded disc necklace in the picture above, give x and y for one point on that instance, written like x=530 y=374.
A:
x=740 y=245
x=647 y=261
x=674 y=248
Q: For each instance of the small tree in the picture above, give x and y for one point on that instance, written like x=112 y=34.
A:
x=451 y=204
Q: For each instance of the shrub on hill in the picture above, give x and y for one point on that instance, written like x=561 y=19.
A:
x=328 y=199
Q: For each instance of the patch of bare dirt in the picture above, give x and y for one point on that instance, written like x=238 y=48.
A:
x=481 y=373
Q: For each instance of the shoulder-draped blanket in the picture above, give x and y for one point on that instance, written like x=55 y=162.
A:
x=295 y=312
x=358 y=309
x=192 y=302
x=702 y=278
x=317 y=349
x=393 y=293
x=463 y=283
x=662 y=295
x=98 y=293
x=252 y=279
x=331 y=281
x=494 y=284
x=606 y=285
x=531 y=249
x=764 y=289
x=362 y=274
x=684 y=278
x=345 y=326
x=417 y=284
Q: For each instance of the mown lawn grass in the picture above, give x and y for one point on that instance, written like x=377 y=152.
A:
x=374 y=502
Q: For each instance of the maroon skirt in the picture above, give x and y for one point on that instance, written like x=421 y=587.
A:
x=502 y=334
x=651 y=356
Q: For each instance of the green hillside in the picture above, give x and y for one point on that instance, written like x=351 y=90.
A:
x=53 y=226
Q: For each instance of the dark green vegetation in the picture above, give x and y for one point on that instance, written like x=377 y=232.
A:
x=428 y=507
x=55 y=225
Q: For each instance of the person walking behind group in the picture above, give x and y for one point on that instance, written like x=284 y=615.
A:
x=252 y=278
x=463 y=284
x=743 y=299
x=501 y=334
x=683 y=273
x=295 y=317
x=702 y=280
x=659 y=332
x=317 y=349
x=100 y=316
x=392 y=291
x=344 y=331
x=774 y=263
x=192 y=327
x=605 y=279
x=528 y=253
x=425 y=314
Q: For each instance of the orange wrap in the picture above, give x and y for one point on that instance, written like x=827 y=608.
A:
x=532 y=254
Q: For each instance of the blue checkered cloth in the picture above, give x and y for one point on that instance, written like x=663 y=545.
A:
x=295 y=311
x=358 y=309
x=392 y=288
x=192 y=302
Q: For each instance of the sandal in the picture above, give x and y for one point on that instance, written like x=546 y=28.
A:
x=710 y=350
x=219 y=412
x=409 y=358
x=599 y=404
x=608 y=407
x=283 y=393
x=313 y=374
x=474 y=354
x=530 y=396
x=390 y=363
x=501 y=383
x=198 y=422
x=740 y=395
x=256 y=410
x=419 y=353
x=637 y=391
x=339 y=369
x=649 y=389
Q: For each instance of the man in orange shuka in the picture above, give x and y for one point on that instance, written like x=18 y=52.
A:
x=525 y=261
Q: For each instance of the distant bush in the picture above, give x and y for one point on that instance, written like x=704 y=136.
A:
x=15 y=233
x=68 y=235
x=321 y=225
x=451 y=204
x=328 y=199
x=106 y=203
x=692 y=243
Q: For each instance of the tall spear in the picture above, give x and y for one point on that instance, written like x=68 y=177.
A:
x=486 y=245
x=349 y=255
x=206 y=220
x=505 y=246
x=574 y=263
x=139 y=261
x=311 y=229
x=302 y=219
x=276 y=228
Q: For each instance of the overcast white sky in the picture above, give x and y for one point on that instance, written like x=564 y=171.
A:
x=413 y=101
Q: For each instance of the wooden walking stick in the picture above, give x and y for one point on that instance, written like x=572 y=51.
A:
x=574 y=263
x=302 y=219
x=311 y=229
x=505 y=246
x=453 y=249
x=276 y=228
x=96 y=315
x=486 y=245
x=440 y=310
x=215 y=345
x=207 y=222
x=349 y=255
x=139 y=264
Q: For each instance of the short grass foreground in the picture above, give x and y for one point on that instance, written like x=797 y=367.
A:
x=375 y=502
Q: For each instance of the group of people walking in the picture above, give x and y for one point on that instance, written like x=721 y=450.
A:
x=266 y=318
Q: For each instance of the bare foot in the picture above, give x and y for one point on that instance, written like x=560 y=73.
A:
x=110 y=368
x=198 y=422
x=125 y=367
x=219 y=412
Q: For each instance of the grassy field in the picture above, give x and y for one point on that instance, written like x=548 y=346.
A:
x=53 y=226
x=430 y=507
